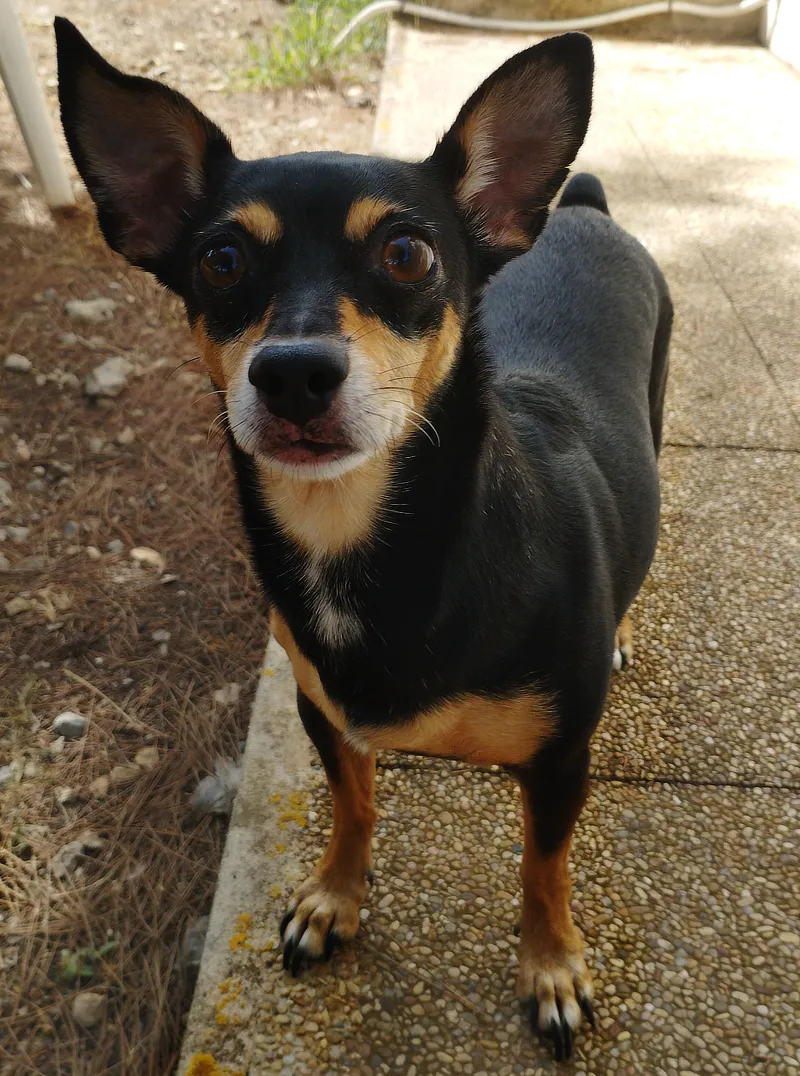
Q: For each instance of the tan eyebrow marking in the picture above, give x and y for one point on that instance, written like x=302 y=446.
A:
x=261 y=221
x=364 y=214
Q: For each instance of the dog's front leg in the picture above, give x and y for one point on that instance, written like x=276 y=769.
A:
x=553 y=978
x=324 y=910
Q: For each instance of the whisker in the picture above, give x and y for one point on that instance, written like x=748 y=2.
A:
x=416 y=425
x=423 y=418
x=180 y=366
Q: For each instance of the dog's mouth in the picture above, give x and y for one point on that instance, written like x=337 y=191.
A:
x=310 y=450
x=321 y=442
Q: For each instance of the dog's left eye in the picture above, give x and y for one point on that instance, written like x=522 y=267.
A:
x=407 y=258
x=222 y=267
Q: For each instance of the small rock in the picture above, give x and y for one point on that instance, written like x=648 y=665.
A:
x=65 y=379
x=126 y=436
x=71 y=529
x=93 y=553
x=20 y=605
x=169 y=579
x=30 y=769
x=23 y=450
x=161 y=636
x=228 y=695
x=6 y=775
x=116 y=546
x=18 y=534
x=5 y=563
x=215 y=794
x=150 y=557
x=18 y=364
x=146 y=757
x=56 y=748
x=89 y=1009
x=90 y=309
x=67 y=859
x=70 y=725
x=69 y=339
x=179 y=46
x=109 y=378
x=123 y=773
x=97 y=446
x=99 y=786
x=65 y=795
x=5 y=493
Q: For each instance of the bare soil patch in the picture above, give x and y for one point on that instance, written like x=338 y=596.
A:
x=99 y=633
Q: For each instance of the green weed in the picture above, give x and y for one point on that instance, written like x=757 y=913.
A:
x=301 y=50
x=78 y=964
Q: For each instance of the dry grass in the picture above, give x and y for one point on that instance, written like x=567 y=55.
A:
x=170 y=490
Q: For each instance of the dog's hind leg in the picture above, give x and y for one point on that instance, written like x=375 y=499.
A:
x=553 y=980
x=623 y=643
x=324 y=909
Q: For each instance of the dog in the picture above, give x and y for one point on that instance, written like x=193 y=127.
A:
x=444 y=408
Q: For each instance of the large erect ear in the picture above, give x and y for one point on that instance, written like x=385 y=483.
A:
x=145 y=153
x=511 y=146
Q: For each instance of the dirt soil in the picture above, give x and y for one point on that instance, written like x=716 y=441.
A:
x=139 y=649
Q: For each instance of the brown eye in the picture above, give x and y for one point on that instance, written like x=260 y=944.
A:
x=221 y=267
x=408 y=258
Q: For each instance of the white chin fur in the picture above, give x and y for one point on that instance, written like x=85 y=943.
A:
x=323 y=471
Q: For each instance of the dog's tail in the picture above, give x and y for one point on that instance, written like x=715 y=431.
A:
x=585 y=189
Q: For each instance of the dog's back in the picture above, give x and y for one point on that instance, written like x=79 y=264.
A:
x=586 y=307
x=578 y=330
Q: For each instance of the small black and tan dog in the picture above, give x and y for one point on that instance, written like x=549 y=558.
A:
x=445 y=438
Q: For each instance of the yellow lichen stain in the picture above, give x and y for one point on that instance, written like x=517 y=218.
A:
x=269 y=947
x=268 y=672
x=275 y=797
x=244 y=923
x=298 y=805
x=230 y=990
x=292 y=816
x=206 y=1065
x=278 y=850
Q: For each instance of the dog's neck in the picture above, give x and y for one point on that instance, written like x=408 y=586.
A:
x=327 y=518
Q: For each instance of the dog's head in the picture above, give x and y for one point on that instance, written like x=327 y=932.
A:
x=328 y=293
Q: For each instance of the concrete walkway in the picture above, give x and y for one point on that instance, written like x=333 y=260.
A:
x=686 y=863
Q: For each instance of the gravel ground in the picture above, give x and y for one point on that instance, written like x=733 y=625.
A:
x=681 y=892
x=714 y=691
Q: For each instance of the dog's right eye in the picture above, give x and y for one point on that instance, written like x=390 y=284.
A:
x=407 y=258
x=222 y=267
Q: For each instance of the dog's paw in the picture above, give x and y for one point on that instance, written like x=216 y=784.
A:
x=322 y=917
x=557 y=993
x=623 y=644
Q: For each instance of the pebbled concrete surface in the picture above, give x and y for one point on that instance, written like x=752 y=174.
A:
x=686 y=861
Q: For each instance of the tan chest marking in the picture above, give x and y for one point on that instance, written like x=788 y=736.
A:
x=482 y=731
x=326 y=518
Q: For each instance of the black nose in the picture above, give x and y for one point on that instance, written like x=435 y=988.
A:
x=299 y=378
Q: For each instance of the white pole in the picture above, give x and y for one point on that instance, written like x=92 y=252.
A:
x=27 y=100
